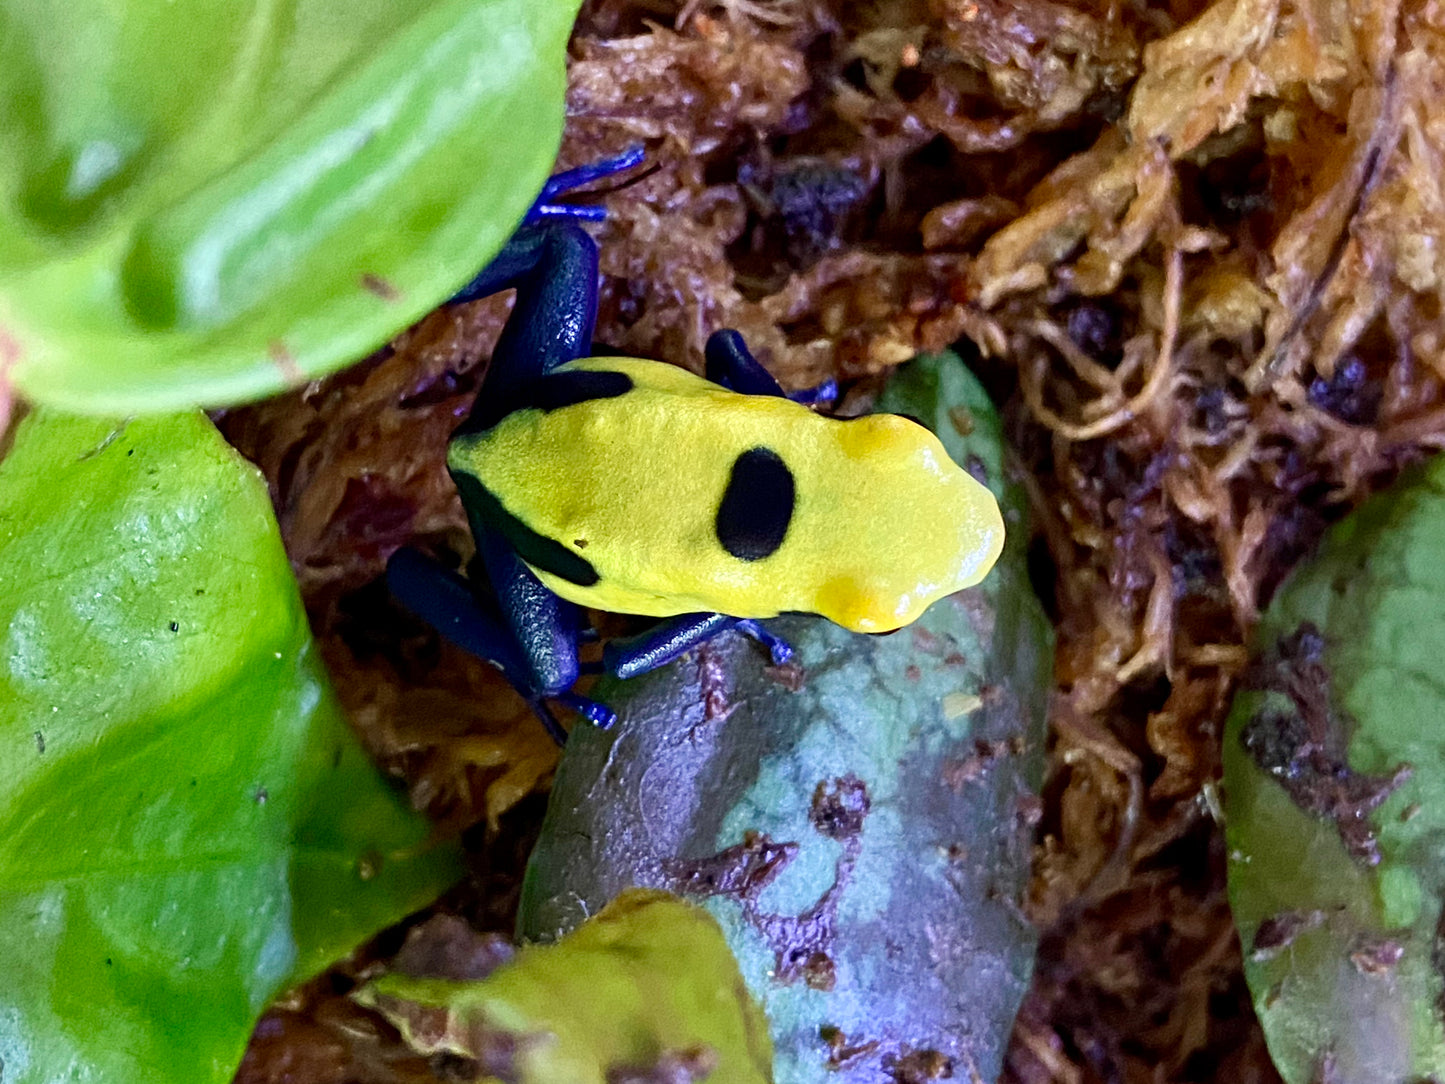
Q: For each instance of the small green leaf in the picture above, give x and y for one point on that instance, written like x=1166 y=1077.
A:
x=853 y=820
x=187 y=824
x=647 y=987
x=1334 y=774
x=207 y=202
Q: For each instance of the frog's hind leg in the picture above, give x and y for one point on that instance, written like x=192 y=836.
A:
x=446 y=602
x=670 y=639
x=730 y=363
x=553 y=266
x=568 y=180
x=545 y=626
x=552 y=263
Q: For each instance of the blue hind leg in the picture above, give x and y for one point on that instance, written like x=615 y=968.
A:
x=553 y=266
x=552 y=263
x=445 y=601
x=567 y=180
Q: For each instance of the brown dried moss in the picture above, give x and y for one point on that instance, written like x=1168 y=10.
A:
x=1197 y=250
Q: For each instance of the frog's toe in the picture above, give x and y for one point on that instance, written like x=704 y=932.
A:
x=779 y=649
x=599 y=715
x=568 y=180
x=826 y=392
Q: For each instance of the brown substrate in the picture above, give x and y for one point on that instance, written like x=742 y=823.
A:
x=1194 y=250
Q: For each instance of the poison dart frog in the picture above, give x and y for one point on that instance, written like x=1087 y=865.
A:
x=638 y=487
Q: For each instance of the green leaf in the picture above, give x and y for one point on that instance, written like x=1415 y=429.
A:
x=647 y=988
x=1334 y=773
x=853 y=822
x=207 y=202
x=187 y=824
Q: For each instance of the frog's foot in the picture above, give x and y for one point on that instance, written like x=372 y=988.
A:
x=599 y=715
x=779 y=649
x=549 y=722
x=445 y=601
x=826 y=392
x=568 y=180
x=731 y=364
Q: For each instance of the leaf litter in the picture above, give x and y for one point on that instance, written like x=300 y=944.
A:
x=1197 y=252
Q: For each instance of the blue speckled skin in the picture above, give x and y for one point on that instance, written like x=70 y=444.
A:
x=552 y=264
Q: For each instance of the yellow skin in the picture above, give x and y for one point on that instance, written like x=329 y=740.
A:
x=884 y=522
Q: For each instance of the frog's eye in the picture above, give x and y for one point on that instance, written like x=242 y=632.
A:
x=757 y=505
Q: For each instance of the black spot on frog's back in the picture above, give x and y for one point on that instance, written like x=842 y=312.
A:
x=757 y=506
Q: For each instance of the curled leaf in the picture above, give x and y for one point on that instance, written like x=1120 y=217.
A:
x=209 y=203
x=647 y=991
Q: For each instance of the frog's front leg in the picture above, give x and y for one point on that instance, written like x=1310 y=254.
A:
x=667 y=640
x=730 y=363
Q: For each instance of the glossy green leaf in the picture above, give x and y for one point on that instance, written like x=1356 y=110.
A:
x=856 y=822
x=187 y=823
x=209 y=201
x=646 y=990
x=1334 y=773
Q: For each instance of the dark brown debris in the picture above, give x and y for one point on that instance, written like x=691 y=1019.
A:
x=446 y=947
x=1303 y=745
x=1278 y=932
x=671 y=1067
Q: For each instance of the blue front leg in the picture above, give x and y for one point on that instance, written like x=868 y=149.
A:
x=667 y=640
x=730 y=363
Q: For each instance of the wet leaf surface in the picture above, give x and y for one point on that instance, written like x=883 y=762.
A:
x=214 y=202
x=187 y=824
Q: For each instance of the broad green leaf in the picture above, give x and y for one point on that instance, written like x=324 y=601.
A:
x=1334 y=773
x=853 y=823
x=209 y=201
x=646 y=990
x=187 y=823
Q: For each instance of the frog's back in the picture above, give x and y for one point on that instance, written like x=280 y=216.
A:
x=646 y=489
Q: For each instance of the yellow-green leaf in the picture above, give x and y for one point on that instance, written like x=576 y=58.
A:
x=647 y=985
x=208 y=201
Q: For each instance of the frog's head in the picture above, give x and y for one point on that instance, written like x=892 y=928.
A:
x=907 y=525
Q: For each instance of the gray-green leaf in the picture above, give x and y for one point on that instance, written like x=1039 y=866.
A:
x=859 y=825
x=1334 y=771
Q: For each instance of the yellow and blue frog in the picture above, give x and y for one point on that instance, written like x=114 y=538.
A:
x=638 y=487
